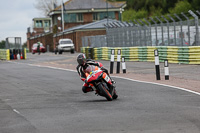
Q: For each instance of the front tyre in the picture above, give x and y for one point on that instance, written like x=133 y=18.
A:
x=105 y=92
x=115 y=96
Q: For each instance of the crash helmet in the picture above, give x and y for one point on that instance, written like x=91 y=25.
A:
x=81 y=59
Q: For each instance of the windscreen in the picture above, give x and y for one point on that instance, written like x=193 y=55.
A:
x=89 y=69
x=66 y=42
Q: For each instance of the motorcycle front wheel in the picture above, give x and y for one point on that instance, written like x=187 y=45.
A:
x=105 y=92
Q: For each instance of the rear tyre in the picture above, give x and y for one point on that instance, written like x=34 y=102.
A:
x=105 y=92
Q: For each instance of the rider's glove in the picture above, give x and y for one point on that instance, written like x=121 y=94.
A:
x=103 y=69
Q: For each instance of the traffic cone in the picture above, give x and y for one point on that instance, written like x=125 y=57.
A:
x=21 y=56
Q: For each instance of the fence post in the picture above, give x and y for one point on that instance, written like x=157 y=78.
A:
x=157 y=64
x=167 y=28
x=181 y=27
x=197 y=27
x=140 y=32
x=145 y=33
x=188 y=23
x=161 y=29
x=156 y=30
x=149 y=28
x=174 y=28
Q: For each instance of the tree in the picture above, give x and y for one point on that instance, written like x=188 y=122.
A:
x=181 y=6
x=2 y=44
x=132 y=14
x=196 y=4
x=45 y=6
x=24 y=45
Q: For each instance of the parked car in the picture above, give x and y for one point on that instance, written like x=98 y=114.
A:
x=65 y=45
x=34 y=48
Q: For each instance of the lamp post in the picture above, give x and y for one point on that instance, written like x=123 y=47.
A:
x=107 y=9
x=121 y=10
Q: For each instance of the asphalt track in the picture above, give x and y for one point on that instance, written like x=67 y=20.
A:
x=37 y=99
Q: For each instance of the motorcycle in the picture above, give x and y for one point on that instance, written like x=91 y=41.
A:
x=100 y=82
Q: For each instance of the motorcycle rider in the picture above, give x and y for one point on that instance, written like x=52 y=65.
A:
x=82 y=65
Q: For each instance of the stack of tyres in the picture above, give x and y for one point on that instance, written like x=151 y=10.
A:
x=183 y=55
x=172 y=54
x=142 y=53
x=133 y=54
x=194 y=55
x=150 y=53
x=162 y=53
x=125 y=53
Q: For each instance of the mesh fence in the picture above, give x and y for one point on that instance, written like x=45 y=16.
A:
x=123 y=34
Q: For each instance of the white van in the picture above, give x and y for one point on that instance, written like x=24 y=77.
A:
x=65 y=45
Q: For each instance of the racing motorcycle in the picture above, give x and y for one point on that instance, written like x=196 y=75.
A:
x=100 y=82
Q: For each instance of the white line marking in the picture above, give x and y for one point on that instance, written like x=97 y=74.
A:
x=16 y=111
x=52 y=67
x=179 y=88
x=159 y=84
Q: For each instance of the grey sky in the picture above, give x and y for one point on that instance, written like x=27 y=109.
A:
x=16 y=16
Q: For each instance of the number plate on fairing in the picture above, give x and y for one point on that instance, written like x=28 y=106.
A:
x=107 y=78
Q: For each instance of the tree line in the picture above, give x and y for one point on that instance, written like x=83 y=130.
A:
x=139 y=9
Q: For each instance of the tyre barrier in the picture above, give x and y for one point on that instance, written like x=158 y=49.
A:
x=4 y=54
x=174 y=54
x=8 y=54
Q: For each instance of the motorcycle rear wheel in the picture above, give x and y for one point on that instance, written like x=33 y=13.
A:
x=105 y=92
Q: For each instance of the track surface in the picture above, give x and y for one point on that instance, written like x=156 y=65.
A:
x=44 y=100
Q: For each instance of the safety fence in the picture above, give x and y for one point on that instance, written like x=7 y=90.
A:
x=8 y=54
x=174 y=54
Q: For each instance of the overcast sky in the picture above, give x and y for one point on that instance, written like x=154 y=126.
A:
x=15 y=17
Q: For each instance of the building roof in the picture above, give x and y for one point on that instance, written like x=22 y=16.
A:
x=94 y=25
x=89 y=4
x=42 y=18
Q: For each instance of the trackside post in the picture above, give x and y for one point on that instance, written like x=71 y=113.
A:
x=112 y=58
x=157 y=64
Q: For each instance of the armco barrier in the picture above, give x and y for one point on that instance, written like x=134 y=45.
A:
x=4 y=54
x=174 y=54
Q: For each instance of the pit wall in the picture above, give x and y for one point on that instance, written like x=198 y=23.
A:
x=182 y=55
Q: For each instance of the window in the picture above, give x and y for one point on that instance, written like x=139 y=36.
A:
x=38 y=24
x=46 y=23
x=70 y=17
x=79 y=17
x=95 y=16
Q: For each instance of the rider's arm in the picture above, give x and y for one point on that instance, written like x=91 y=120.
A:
x=95 y=63
x=81 y=73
